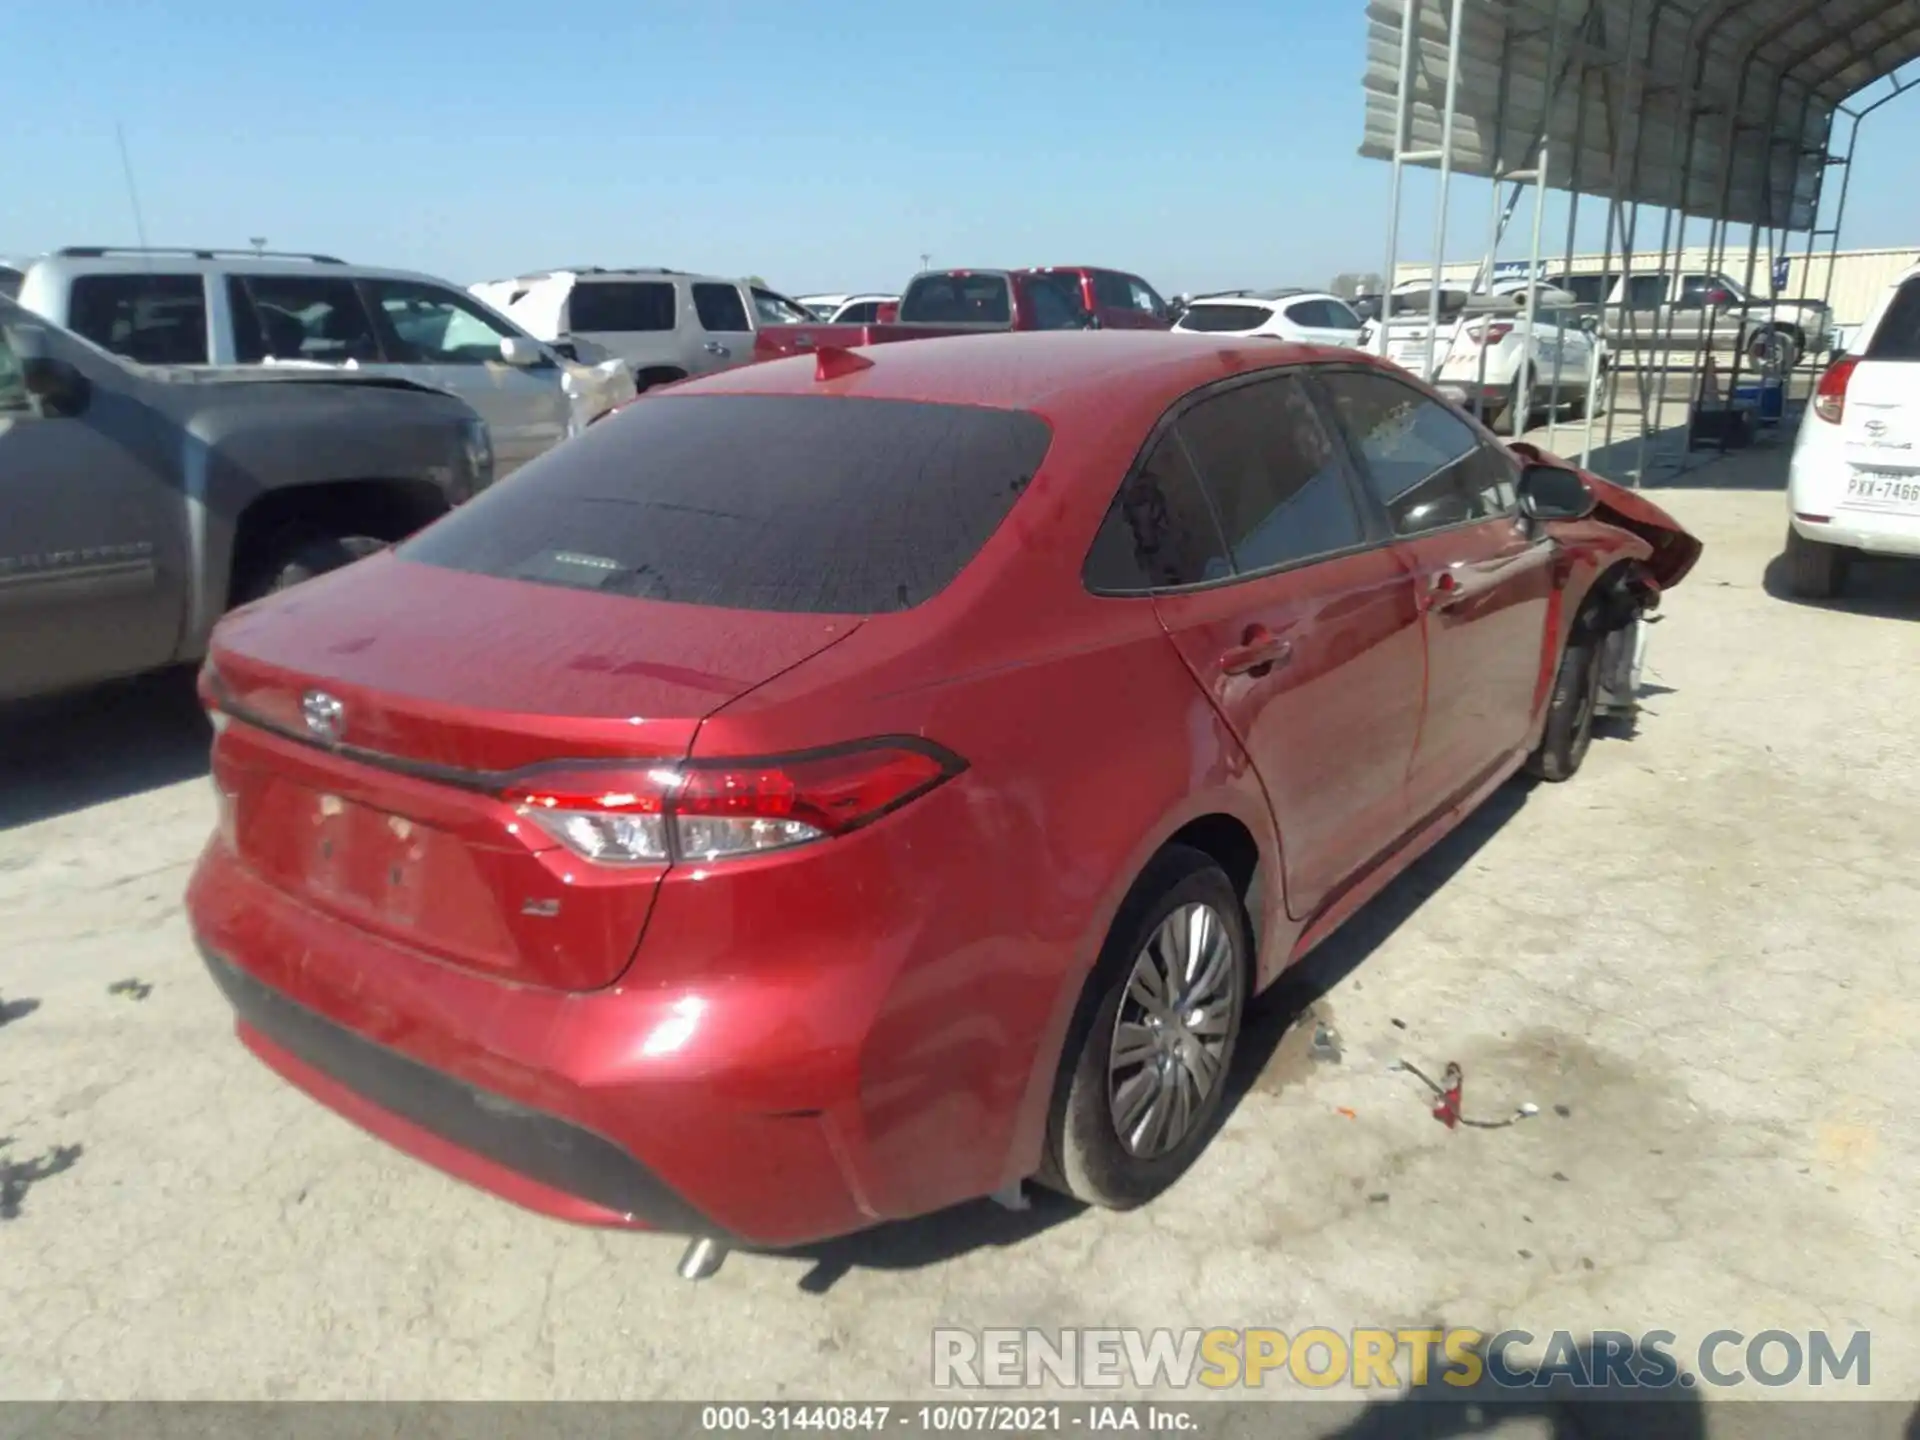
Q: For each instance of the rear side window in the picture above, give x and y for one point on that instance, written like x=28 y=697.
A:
x=1897 y=336
x=155 y=319
x=1159 y=532
x=721 y=308
x=621 y=306
x=866 y=312
x=1056 y=303
x=957 y=300
x=1224 y=319
x=1428 y=467
x=799 y=504
x=300 y=317
x=1274 y=473
x=11 y=281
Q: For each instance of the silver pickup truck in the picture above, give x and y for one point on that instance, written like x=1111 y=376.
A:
x=142 y=503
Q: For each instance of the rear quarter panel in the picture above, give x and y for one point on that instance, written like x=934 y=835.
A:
x=1088 y=746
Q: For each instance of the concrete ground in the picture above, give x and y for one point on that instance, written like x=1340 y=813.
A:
x=1691 y=959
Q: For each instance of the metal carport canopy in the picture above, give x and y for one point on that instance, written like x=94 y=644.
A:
x=1717 y=108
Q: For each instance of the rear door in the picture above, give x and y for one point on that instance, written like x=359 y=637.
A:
x=1448 y=494
x=722 y=333
x=1302 y=627
x=446 y=340
x=1880 y=424
x=638 y=320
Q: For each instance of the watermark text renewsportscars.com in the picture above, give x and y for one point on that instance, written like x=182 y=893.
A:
x=1392 y=1359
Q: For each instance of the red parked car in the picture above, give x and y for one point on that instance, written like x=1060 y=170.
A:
x=838 y=788
x=1120 y=301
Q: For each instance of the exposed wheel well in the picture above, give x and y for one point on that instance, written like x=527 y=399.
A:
x=387 y=510
x=1229 y=842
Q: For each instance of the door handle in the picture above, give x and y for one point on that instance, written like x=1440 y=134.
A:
x=714 y=347
x=1444 y=591
x=1257 y=653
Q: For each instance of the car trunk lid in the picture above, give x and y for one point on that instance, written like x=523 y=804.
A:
x=382 y=711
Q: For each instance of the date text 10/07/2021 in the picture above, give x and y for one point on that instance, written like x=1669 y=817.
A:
x=947 y=1418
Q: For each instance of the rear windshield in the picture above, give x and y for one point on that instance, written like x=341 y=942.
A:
x=1212 y=318
x=957 y=300
x=1897 y=336
x=622 y=305
x=794 y=503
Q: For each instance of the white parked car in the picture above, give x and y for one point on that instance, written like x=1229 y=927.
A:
x=1484 y=362
x=1308 y=317
x=1854 y=481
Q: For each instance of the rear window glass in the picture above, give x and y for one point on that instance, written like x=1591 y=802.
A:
x=618 y=305
x=957 y=300
x=155 y=319
x=1897 y=336
x=1223 y=318
x=801 y=504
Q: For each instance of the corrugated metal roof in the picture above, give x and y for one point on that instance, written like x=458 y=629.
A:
x=1721 y=107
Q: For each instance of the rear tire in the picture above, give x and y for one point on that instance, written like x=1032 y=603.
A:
x=301 y=558
x=1570 y=708
x=1137 y=1066
x=1815 y=571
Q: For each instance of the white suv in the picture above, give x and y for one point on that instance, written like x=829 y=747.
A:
x=1309 y=317
x=1854 y=484
x=195 y=308
x=665 y=324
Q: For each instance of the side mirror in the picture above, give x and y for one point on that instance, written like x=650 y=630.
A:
x=1549 y=493
x=57 y=384
x=518 y=350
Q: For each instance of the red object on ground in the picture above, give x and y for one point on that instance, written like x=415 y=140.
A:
x=1446 y=1109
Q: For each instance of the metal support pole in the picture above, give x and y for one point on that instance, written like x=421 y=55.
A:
x=1446 y=178
x=1409 y=18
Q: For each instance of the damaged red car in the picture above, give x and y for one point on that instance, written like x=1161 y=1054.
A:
x=843 y=787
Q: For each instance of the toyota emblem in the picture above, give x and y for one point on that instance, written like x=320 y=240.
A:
x=326 y=717
x=1876 y=428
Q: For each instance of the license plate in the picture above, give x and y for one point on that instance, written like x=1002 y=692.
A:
x=1884 y=490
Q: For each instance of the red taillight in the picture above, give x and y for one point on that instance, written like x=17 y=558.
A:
x=1830 y=395
x=1490 y=334
x=716 y=809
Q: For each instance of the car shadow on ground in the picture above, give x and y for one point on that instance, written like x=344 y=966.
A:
x=68 y=752
x=1580 y=1391
x=1884 y=587
x=935 y=1239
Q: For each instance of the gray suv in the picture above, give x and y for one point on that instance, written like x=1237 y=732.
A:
x=666 y=324
x=140 y=504
x=215 y=307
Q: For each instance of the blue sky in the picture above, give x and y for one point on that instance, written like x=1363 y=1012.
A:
x=823 y=145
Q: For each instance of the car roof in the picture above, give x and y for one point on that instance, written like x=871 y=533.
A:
x=1048 y=371
x=67 y=266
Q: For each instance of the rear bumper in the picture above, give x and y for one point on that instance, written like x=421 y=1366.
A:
x=1870 y=531
x=1816 y=494
x=540 y=1160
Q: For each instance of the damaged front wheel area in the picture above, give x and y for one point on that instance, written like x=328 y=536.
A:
x=1597 y=663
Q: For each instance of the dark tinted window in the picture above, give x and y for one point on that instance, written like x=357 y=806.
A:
x=1159 y=532
x=1111 y=290
x=155 y=319
x=300 y=317
x=1897 y=336
x=1218 y=319
x=1427 y=466
x=778 y=310
x=10 y=282
x=721 y=308
x=1274 y=474
x=1646 y=291
x=1144 y=297
x=758 y=502
x=1056 y=303
x=621 y=305
x=1323 y=315
x=957 y=300
x=864 y=313
x=13 y=381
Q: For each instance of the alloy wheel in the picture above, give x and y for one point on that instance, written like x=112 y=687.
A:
x=1172 y=1031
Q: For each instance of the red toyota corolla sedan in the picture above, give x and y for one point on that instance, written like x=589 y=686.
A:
x=838 y=788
